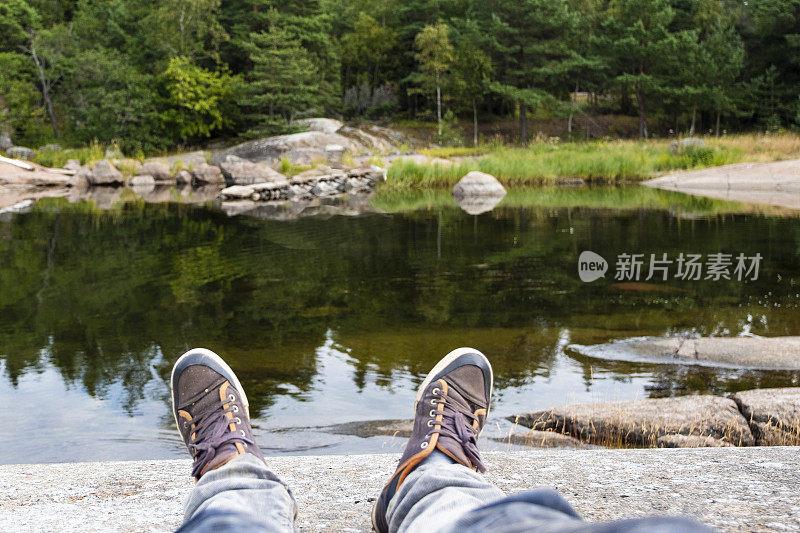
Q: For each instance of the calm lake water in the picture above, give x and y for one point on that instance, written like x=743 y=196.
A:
x=334 y=319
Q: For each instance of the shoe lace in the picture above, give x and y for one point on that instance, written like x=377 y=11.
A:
x=211 y=430
x=461 y=430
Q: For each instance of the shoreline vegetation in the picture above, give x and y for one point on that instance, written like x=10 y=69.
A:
x=546 y=161
x=550 y=162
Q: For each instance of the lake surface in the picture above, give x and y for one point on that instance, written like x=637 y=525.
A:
x=333 y=319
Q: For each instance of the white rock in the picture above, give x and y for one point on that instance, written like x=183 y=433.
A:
x=478 y=184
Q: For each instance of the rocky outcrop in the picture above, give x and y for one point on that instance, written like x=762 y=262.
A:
x=239 y=171
x=104 y=173
x=158 y=170
x=325 y=125
x=776 y=183
x=773 y=415
x=308 y=147
x=737 y=352
x=183 y=177
x=306 y=186
x=642 y=422
x=334 y=154
x=20 y=152
x=206 y=173
x=299 y=148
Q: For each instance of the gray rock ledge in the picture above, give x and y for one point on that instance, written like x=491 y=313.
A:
x=733 y=489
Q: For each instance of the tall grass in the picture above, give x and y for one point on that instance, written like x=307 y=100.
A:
x=544 y=162
x=94 y=151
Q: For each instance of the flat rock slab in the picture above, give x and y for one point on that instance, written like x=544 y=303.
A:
x=772 y=353
x=775 y=183
x=642 y=422
x=733 y=489
x=773 y=415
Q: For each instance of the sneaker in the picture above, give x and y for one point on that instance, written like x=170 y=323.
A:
x=449 y=413
x=210 y=410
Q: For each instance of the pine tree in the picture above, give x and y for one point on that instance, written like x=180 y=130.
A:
x=283 y=82
x=304 y=22
x=472 y=70
x=724 y=51
x=538 y=42
x=640 y=46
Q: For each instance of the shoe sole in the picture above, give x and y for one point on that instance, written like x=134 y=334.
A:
x=202 y=356
x=442 y=365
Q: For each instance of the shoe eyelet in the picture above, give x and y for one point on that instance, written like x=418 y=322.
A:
x=238 y=420
x=433 y=401
x=424 y=445
x=435 y=390
x=433 y=412
x=241 y=432
x=185 y=425
x=430 y=423
x=235 y=408
x=231 y=397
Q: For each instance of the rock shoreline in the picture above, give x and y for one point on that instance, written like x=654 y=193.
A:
x=253 y=164
x=760 y=417
x=776 y=183
x=306 y=187
x=769 y=353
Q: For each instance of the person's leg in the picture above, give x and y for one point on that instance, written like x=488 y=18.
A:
x=235 y=491
x=431 y=481
x=436 y=487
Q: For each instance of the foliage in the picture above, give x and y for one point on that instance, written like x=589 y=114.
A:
x=18 y=22
x=283 y=81
x=545 y=162
x=435 y=57
x=154 y=75
x=451 y=132
x=198 y=100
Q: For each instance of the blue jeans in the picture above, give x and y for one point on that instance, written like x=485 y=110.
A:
x=438 y=496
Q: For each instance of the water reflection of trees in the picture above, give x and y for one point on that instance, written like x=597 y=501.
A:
x=99 y=294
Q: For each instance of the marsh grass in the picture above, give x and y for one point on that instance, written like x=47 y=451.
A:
x=548 y=162
x=618 y=430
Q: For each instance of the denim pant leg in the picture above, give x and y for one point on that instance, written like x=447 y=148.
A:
x=435 y=493
x=443 y=497
x=242 y=495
